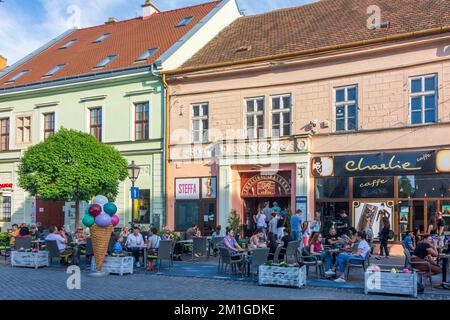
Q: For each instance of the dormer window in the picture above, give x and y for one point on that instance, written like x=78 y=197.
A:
x=103 y=37
x=18 y=76
x=68 y=44
x=106 y=61
x=146 y=55
x=184 y=22
x=54 y=70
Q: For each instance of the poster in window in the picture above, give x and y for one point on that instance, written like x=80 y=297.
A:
x=404 y=215
x=369 y=216
x=209 y=188
x=142 y=207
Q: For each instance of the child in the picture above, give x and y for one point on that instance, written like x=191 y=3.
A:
x=117 y=248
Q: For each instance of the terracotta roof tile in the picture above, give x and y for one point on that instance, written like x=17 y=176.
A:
x=317 y=25
x=129 y=39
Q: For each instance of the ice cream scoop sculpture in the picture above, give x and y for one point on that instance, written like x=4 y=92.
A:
x=100 y=217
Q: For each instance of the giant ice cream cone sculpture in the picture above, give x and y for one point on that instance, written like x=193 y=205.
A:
x=100 y=218
x=100 y=242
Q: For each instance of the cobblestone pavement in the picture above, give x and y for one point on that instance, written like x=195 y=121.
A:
x=50 y=284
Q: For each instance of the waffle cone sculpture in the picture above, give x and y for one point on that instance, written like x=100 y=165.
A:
x=100 y=242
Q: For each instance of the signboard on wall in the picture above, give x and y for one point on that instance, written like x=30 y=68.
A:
x=302 y=204
x=187 y=189
x=369 y=216
x=209 y=188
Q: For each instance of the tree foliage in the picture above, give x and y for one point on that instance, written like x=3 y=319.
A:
x=72 y=166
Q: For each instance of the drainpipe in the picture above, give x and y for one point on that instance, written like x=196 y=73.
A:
x=166 y=93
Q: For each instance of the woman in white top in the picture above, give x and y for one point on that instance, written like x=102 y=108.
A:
x=152 y=246
x=316 y=224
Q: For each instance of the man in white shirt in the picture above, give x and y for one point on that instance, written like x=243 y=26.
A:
x=359 y=256
x=261 y=223
x=135 y=243
x=61 y=241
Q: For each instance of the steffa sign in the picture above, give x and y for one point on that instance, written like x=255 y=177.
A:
x=187 y=189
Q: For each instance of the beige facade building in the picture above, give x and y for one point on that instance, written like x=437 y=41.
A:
x=330 y=113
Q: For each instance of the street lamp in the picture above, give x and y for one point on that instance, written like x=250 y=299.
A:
x=133 y=174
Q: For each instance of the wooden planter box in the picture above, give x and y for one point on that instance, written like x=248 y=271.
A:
x=282 y=276
x=29 y=259
x=117 y=265
x=385 y=282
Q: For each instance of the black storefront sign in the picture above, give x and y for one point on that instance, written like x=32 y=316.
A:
x=383 y=164
x=373 y=187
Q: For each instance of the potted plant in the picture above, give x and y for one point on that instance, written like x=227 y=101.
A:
x=235 y=223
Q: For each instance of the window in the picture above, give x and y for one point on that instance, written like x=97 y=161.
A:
x=346 y=107
x=49 y=124
x=68 y=44
x=329 y=188
x=103 y=37
x=141 y=122
x=281 y=115
x=95 y=126
x=106 y=61
x=4 y=134
x=147 y=54
x=54 y=70
x=184 y=22
x=18 y=76
x=5 y=208
x=200 y=122
x=255 y=117
x=23 y=127
x=424 y=186
x=423 y=99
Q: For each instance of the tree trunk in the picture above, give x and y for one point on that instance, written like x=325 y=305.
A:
x=77 y=214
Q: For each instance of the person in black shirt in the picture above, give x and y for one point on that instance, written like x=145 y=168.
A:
x=426 y=251
x=331 y=238
x=441 y=228
x=284 y=241
x=343 y=224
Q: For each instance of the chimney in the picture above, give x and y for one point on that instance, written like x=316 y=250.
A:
x=111 y=20
x=149 y=8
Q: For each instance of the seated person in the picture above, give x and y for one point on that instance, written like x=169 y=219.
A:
x=61 y=241
x=134 y=244
x=24 y=232
x=35 y=233
x=408 y=242
x=360 y=254
x=230 y=243
x=426 y=250
x=332 y=239
x=316 y=247
x=273 y=245
x=255 y=240
x=153 y=246
x=166 y=234
x=79 y=236
x=193 y=232
x=117 y=248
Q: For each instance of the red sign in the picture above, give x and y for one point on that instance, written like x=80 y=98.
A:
x=266 y=185
x=6 y=185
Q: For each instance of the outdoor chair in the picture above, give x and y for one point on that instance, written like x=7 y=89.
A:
x=291 y=251
x=358 y=263
x=199 y=246
x=165 y=252
x=5 y=249
x=259 y=257
x=88 y=252
x=310 y=260
x=112 y=241
x=276 y=254
x=225 y=259
x=22 y=242
x=421 y=273
x=215 y=242
x=53 y=252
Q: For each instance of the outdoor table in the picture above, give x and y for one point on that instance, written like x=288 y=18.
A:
x=444 y=258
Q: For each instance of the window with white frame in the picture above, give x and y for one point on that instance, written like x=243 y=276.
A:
x=281 y=106
x=254 y=117
x=200 y=122
x=346 y=108
x=423 y=99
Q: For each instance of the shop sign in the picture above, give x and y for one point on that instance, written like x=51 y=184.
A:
x=266 y=185
x=187 y=189
x=377 y=164
x=373 y=187
x=6 y=185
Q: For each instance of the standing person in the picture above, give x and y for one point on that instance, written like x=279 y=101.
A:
x=384 y=237
x=267 y=212
x=441 y=228
x=261 y=222
x=13 y=234
x=273 y=229
x=432 y=227
x=316 y=225
x=280 y=225
x=306 y=233
x=296 y=222
x=344 y=223
x=134 y=243
x=275 y=207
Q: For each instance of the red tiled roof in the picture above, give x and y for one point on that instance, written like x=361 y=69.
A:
x=129 y=39
x=317 y=25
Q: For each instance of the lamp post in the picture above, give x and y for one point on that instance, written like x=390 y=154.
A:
x=133 y=174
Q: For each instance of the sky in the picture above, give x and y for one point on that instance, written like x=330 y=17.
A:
x=25 y=25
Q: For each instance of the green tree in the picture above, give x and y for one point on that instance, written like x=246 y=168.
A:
x=72 y=166
x=235 y=222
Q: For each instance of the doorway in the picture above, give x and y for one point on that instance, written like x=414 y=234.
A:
x=418 y=215
x=329 y=213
